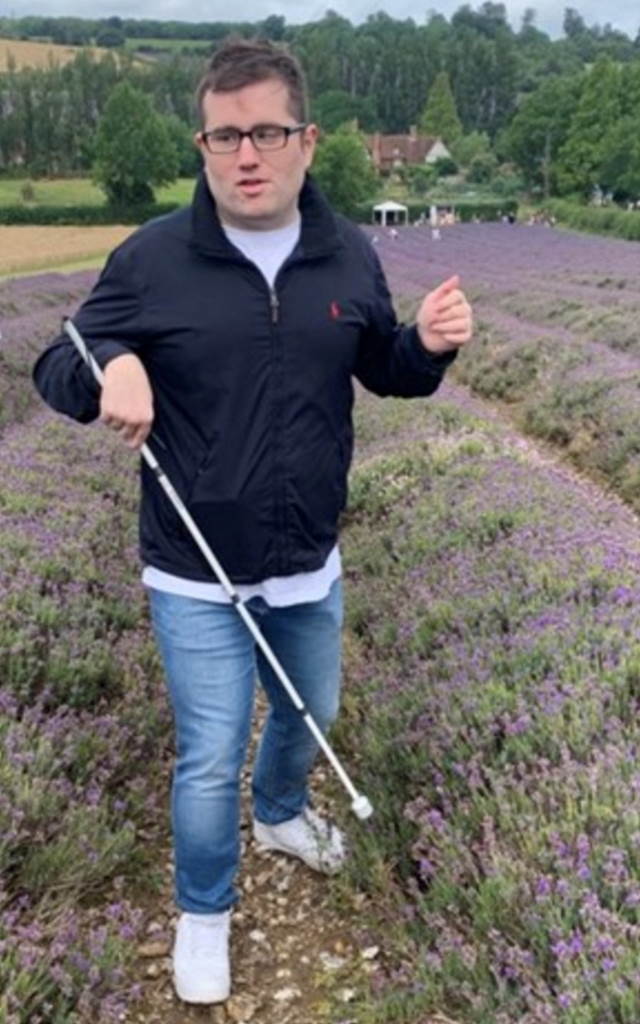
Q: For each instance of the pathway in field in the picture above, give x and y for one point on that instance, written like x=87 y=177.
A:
x=292 y=933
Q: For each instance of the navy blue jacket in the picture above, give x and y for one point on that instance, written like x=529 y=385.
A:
x=252 y=387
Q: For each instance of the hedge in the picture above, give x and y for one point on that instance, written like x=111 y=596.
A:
x=602 y=220
x=489 y=209
x=484 y=209
x=60 y=215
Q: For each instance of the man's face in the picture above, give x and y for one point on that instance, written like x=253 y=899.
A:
x=255 y=189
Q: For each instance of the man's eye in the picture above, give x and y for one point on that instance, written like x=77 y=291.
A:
x=222 y=136
x=267 y=132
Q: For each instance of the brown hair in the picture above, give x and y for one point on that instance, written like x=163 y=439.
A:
x=239 y=62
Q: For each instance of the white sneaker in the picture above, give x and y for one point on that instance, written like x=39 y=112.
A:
x=308 y=836
x=201 y=971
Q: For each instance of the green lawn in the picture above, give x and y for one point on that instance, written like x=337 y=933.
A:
x=176 y=45
x=81 y=192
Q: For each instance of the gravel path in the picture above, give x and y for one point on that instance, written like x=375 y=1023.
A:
x=295 y=938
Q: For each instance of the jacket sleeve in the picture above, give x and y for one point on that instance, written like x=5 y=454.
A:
x=391 y=358
x=109 y=322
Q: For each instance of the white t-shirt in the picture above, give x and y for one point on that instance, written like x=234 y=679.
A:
x=268 y=250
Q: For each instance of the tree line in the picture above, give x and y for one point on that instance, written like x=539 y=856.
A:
x=557 y=109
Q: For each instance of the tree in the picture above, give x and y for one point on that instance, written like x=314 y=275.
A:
x=440 y=117
x=188 y=154
x=133 y=151
x=468 y=147
x=445 y=167
x=110 y=37
x=273 y=27
x=573 y=23
x=420 y=178
x=336 y=107
x=599 y=107
x=540 y=128
x=343 y=170
x=619 y=170
x=482 y=168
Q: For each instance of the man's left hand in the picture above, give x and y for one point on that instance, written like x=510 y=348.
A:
x=444 y=319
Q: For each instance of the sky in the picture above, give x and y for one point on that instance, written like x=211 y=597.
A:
x=623 y=15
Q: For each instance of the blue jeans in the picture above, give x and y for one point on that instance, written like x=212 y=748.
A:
x=210 y=661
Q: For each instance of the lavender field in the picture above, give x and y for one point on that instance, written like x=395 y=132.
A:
x=558 y=332
x=492 y=670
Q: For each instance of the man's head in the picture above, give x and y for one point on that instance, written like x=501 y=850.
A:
x=254 y=86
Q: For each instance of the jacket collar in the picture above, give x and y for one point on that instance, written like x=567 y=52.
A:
x=318 y=228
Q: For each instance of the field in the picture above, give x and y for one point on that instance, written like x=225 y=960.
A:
x=31 y=248
x=39 y=55
x=492 y=672
x=81 y=192
x=558 y=339
x=27 y=249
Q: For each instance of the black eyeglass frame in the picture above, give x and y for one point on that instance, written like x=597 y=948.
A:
x=287 y=130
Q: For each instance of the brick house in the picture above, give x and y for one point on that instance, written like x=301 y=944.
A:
x=388 y=152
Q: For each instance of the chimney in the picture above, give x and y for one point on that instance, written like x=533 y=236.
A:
x=413 y=132
x=376 y=154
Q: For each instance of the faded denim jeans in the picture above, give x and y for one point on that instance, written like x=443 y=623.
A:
x=211 y=664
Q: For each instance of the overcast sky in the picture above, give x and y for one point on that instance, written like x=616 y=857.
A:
x=624 y=14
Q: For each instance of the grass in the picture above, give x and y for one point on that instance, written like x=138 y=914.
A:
x=81 y=192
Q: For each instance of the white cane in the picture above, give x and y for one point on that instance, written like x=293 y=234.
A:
x=360 y=805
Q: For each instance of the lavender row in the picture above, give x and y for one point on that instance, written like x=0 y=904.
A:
x=558 y=334
x=494 y=681
x=84 y=723
x=31 y=310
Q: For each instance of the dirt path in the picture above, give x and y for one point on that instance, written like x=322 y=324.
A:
x=295 y=938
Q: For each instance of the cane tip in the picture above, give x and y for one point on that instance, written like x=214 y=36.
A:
x=361 y=807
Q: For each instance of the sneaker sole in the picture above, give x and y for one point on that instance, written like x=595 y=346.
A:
x=322 y=869
x=211 y=995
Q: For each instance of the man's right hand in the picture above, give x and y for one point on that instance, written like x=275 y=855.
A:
x=126 y=403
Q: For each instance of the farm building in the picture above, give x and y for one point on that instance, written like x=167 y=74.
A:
x=389 y=152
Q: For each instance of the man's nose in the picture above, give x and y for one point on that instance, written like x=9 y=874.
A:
x=247 y=152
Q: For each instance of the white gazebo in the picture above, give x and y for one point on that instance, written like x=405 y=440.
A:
x=390 y=212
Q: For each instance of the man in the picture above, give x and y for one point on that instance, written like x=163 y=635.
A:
x=235 y=327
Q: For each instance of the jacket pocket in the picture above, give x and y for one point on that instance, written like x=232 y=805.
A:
x=205 y=466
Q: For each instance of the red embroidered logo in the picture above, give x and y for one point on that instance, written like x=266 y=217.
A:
x=335 y=310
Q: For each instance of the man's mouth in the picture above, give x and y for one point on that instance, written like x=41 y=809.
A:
x=251 y=185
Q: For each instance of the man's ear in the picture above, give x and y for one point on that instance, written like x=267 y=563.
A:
x=310 y=140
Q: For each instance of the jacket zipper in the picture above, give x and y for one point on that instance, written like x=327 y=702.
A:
x=274 y=304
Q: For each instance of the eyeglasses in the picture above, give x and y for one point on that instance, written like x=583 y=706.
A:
x=264 y=137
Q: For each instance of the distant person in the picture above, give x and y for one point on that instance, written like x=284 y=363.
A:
x=434 y=221
x=235 y=327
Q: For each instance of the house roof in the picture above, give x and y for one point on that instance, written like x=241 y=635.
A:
x=411 y=148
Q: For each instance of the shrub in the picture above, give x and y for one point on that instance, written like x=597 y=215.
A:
x=609 y=220
x=83 y=214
